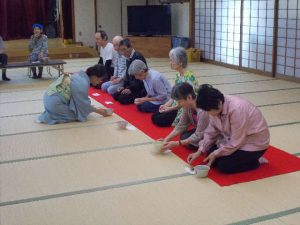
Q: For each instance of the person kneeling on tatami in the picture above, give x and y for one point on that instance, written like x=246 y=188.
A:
x=157 y=87
x=237 y=135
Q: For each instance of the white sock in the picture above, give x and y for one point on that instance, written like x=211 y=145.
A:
x=263 y=160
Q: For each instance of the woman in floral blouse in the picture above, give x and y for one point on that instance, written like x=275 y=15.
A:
x=169 y=113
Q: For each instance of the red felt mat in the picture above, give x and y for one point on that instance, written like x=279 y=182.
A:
x=280 y=162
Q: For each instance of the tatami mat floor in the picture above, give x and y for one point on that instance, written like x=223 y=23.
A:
x=93 y=173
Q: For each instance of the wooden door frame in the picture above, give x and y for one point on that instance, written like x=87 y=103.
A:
x=73 y=20
x=192 y=23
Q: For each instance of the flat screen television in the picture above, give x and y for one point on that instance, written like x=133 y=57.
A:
x=149 y=20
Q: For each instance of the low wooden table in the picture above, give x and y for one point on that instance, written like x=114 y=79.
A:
x=56 y=64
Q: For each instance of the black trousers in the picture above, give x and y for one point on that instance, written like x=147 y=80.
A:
x=187 y=134
x=164 y=119
x=123 y=98
x=33 y=69
x=239 y=161
x=3 y=61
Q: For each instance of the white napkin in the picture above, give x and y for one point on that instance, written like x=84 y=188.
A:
x=130 y=127
x=190 y=170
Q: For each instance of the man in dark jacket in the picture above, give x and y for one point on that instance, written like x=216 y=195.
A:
x=132 y=87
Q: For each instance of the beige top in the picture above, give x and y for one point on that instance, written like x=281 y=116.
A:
x=187 y=119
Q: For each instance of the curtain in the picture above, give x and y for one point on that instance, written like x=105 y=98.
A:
x=18 y=16
x=67 y=18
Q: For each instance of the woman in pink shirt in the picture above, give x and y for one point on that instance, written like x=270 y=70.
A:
x=237 y=135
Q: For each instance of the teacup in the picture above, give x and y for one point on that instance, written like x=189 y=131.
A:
x=157 y=145
x=201 y=170
x=122 y=124
x=109 y=111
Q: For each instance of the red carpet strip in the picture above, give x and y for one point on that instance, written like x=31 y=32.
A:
x=280 y=162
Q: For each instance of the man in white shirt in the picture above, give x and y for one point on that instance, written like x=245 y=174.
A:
x=106 y=51
x=3 y=60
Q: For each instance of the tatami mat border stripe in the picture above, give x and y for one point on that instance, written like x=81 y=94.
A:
x=223 y=75
x=274 y=104
x=250 y=92
x=76 y=153
x=213 y=75
x=95 y=125
x=55 y=129
x=266 y=105
x=297 y=154
x=27 y=114
x=284 y=124
x=97 y=189
x=20 y=90
x=30 y=100
x=267 y=217
x=238 y=82
x=241 y=82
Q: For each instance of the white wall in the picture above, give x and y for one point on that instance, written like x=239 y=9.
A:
x=109 y=17
x=84 y=12
x=180 y=19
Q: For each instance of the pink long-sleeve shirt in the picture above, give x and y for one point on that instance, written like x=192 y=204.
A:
x=240 y=126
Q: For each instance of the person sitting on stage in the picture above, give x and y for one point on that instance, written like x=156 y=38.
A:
x=170 y=112
x=237 y=136
x=132 y=87
x=157 y=87
x=67 y=99
x=38 y=47
x=192 y=115
x=117 y=80
x=3 y=60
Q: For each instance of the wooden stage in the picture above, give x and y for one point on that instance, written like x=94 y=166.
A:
x=17 y=50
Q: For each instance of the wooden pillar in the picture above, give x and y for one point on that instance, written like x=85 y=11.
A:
x=192 y=23
x=275 y=34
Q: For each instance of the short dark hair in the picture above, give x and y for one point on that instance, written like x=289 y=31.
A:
x=97 y=70
x=182 y=91
x=126 y=42
x=103 y=34
x=209 y=98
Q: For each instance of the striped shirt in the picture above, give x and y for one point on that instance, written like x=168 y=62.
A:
x=120 y=66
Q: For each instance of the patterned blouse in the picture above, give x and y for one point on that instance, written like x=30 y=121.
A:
x=38 y=45
x=189 y=78
x=62 y=85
